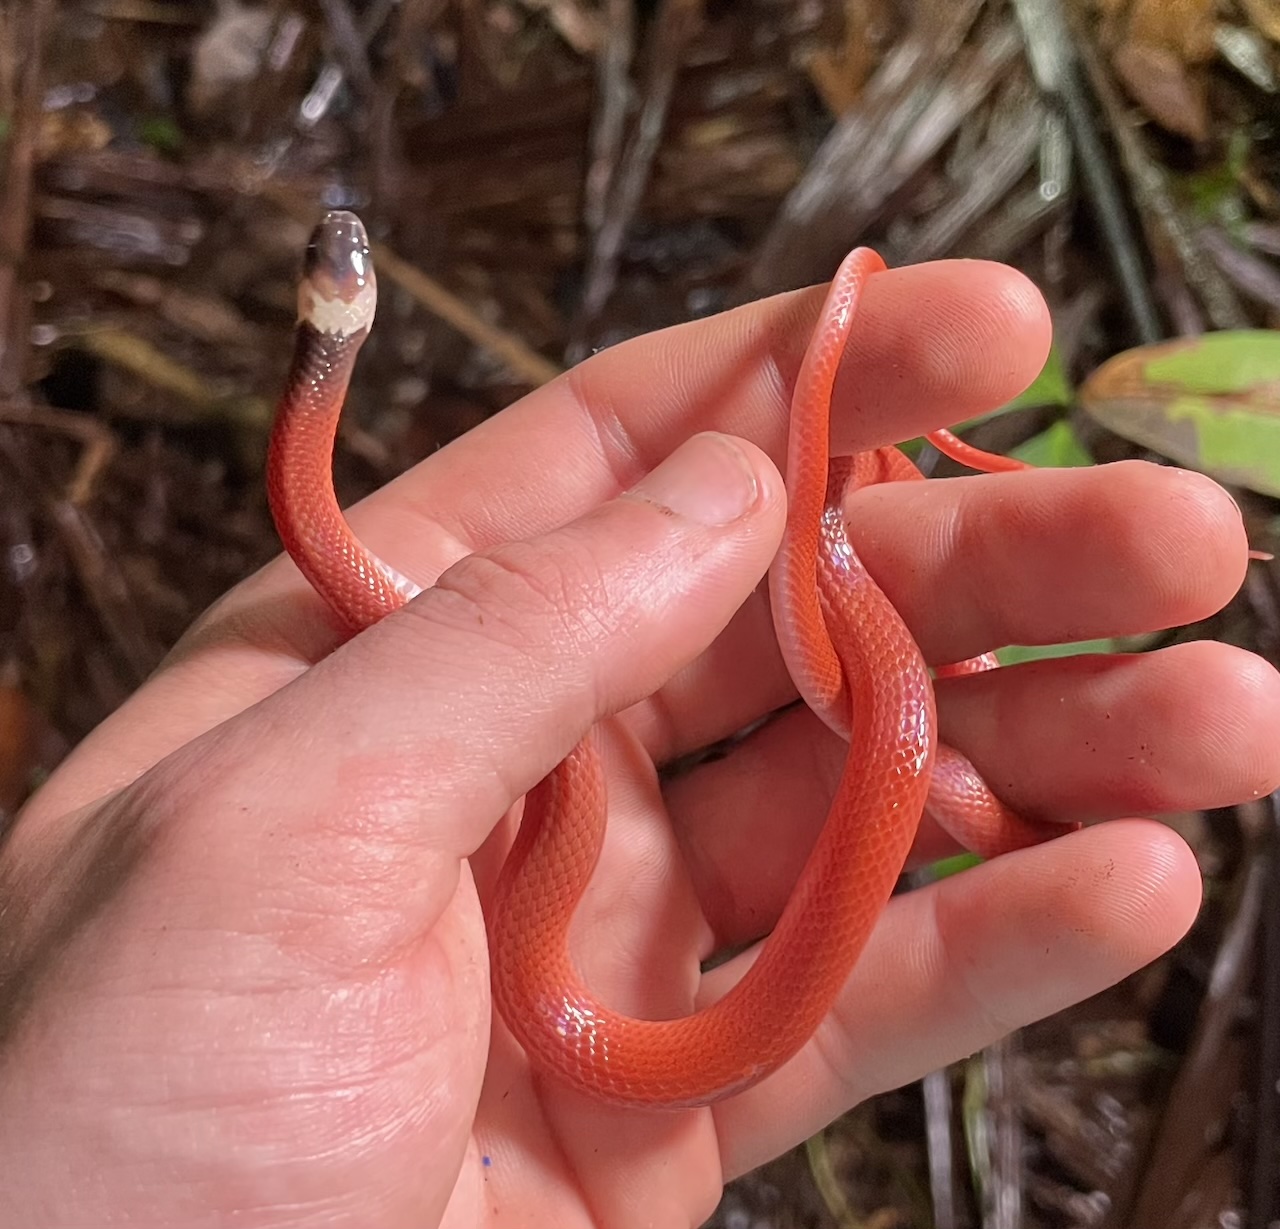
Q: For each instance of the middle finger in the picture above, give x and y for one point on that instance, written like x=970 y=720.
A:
x=1079 y=738
x=977 y=563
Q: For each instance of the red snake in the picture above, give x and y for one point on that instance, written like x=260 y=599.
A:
x=846 y=647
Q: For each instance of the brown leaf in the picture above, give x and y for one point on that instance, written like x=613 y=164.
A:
x=840 y=72
x=1265 y=16
x=17 y=748
x=1162 y=85
x=1184 y=27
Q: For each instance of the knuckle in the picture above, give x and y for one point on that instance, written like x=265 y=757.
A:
x=969 y=986
x=534 y=599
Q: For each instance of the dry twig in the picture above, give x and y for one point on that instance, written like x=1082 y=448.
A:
x=673 y=27
x=16 y=174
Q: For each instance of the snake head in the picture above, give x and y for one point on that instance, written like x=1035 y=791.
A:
x=338 y=291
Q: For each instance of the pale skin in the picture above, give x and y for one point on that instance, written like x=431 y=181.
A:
x=244 y=967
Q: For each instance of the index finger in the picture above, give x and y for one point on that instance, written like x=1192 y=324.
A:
x=932 y=344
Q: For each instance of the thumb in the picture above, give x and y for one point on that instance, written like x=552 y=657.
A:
x=282 y=926
x=427 y=727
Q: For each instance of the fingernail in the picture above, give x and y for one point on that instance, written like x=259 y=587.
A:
x=708 y=479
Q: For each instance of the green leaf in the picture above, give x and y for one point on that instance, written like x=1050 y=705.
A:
x=162 y=134
x=1217 y=194
x=946 y=867
x=1013 y=654
x=1217 y=363
x=1210 y=403
x=1057 y=447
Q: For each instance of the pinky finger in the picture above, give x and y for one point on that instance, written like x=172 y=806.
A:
x=956 y=966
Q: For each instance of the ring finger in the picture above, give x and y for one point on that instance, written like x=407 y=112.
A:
x=1084 y=738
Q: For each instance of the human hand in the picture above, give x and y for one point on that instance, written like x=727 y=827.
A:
x=244 y=972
